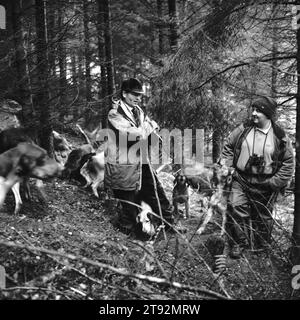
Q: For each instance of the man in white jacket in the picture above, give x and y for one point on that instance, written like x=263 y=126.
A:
x=127 y=168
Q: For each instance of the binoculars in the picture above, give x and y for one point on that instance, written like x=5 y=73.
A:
x=255 y=161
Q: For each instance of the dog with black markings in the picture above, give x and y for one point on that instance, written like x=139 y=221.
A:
x=76 y=159
x=181 y=194
x=213 y=184
x=93 y=172
x=25 y=161
x=10 y=138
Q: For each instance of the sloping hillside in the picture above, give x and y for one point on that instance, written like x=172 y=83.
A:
x=68 y=249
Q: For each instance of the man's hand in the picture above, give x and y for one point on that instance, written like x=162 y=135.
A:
x=266 y=184
x=153 y=123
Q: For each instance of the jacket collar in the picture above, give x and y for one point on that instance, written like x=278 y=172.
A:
x=127 y=111
x=278 y=131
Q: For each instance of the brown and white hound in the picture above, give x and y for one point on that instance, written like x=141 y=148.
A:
x=24 y=161
x=93 y=172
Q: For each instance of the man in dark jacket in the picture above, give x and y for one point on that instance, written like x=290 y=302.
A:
x=130 y=174
x=262 y=156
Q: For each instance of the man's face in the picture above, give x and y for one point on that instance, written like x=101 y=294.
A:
x=132 y=99
x=258 y=117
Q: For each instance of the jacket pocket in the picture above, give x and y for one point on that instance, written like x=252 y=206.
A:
x=123 y=177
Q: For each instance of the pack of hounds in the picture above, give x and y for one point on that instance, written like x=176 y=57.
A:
x=21 y=158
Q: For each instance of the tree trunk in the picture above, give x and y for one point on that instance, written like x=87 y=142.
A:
x=108 y=48
x=61 y=50
x=51 y=34
x=42 y=96
x=101 y=51
x=87 y=52
x=103 y=85
x=274 y=52
x=218 y=120
x=173 y=25
x=216 y=143
x=160 y=26
x=23 y=94
x=296 y=228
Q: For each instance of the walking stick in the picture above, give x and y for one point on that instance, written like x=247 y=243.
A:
x=157 y=199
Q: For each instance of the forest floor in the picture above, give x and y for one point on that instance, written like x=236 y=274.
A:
x=67 y=249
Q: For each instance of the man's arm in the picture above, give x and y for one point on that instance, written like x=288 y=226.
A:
x=285 y=172
x=227 y=154
x=124 y=126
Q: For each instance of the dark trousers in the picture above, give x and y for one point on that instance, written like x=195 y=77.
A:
x=245 y=205
x=127 y=218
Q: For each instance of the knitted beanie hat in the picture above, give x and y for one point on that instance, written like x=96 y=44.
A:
x=266 y=105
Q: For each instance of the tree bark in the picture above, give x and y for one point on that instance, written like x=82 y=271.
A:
x=61 y=50
x=173 y=25
x=160 y=26
x=101 y=51
x=274 y=52
x=296 y=228
x=23 y=94
x=42 y=95
x=51 y=6
x=87 y=52
x=218 y=119
x=108 y=48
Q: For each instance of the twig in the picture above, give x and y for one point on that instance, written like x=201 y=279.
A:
x=81 y=293
x=37 y=289
x=153 y=256
x=157 y=199
x=46 y=278
x=87 y=139
x=95 y=280
x=120 y=271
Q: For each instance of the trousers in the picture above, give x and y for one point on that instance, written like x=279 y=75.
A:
x=127 y=217
x=253 y=204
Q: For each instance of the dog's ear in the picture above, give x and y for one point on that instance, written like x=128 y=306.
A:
x=176 y=175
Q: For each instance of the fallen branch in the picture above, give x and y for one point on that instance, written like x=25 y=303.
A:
x=37 y=289
x=120 y=271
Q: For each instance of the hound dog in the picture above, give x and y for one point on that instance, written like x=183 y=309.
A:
x=93 y=172
x=213 y=184
x=24 y=161
x=144 y=219
x=10 y=138
x=76 y=159
x=181 y=194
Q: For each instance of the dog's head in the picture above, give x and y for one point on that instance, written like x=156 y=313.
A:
x=144 y=218
x=25 y=160
x=60 y=142
x=180 y=180
x=222 y=176
x=35 y=162
x=76 y=159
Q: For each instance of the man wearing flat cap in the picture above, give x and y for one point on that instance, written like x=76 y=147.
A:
x=262 y=156
x=130 y=175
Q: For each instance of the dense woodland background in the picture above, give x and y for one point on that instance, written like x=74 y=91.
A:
x=201 y=61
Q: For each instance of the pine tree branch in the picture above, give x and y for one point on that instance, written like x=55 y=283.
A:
x=242 y=64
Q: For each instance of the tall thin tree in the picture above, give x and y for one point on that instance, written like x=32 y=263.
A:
x=173 y=24
x=23 y=93
x=108 y=47
x=296 y=228
x=42 y=95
